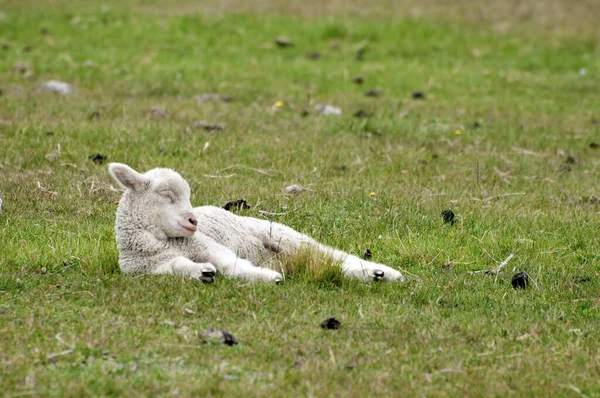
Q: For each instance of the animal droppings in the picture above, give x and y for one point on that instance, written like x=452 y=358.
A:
x=97 y=158
x=594 y=145
x=570 y=160
x=448 y=216
x=314 y=55
x=358 y=80
x=94 y=115
x=223 y=336
x=520 y=280
x=331 y=323
x=372 y=93
x=361 y=113
x=201 y=124
x=367 y=254
x=418 y=95
x=54 y=86
x=239 y=204
x=582 y=278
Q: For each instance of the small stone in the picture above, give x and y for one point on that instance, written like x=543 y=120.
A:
x=326 y=109
x=367 y=255
x=331 y=323
x=283 y=42
x=448 y=216
x=211 y=97
x=520 y=280
x=97 y=158
x=358 y=80
x=418 y=95
x=239 y=204
x=372 y=93
x=57 y=87
x=223 y=336
x=293 y=189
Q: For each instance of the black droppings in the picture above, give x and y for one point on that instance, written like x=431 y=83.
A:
x=44 y=31
x=201 y=124
x=422 y=162
x=476 y=125
x=358 y=80
x=570 y=160
x=367 y=255
x=372 y=93
x=97 y=158
x=582 y=278
x=448 y=216
x=564 y=168
x=304 y=113
x=362 y=113
x=94 y=115
x=239 y=204
x=594 y=145
x=360 y=53
x=313 y=55
x=520 y=280
x=49 y=132
x=418 y=95
x=331 y=323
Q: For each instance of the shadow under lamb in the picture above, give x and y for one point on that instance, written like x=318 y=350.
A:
x=159 y=232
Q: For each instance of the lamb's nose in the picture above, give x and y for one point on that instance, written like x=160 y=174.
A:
x=193 y=220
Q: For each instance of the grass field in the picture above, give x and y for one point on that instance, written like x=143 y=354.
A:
x=506 y=136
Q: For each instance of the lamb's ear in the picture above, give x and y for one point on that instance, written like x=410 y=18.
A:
x=128 y=177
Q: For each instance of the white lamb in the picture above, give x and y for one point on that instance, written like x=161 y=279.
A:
x=159 y=232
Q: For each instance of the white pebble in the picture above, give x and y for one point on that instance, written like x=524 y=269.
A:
x=293 y=189
x=327 y=109
x=54 y=86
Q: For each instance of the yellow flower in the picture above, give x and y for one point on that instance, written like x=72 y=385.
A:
x=278 y=104
x=458 y=132
x=372 y=194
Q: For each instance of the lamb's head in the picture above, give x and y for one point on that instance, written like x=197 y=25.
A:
x=159 y=198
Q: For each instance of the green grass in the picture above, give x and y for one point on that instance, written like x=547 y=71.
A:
x=72 y=325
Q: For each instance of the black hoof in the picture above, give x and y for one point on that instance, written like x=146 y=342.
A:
x=378 y=275
x=208 y=273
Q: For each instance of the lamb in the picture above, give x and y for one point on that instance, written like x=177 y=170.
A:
x=158 y=232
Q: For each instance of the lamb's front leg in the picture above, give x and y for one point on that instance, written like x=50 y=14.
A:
x=228 y=263
x=180 y=265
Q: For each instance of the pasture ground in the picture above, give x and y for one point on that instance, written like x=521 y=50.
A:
x=506 y=136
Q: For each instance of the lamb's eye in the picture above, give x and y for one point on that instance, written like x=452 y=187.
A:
x=168 y=195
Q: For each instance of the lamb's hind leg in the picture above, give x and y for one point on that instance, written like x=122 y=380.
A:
x=180 y=265
x=283 y=239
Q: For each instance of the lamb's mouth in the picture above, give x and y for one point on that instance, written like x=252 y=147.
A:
x=191 y=229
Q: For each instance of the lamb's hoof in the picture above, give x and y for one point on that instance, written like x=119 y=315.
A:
x=278 y=280
x=378 y=275
x=208 y=276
